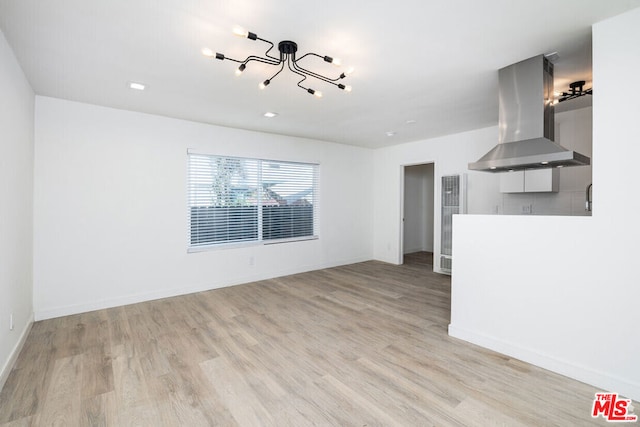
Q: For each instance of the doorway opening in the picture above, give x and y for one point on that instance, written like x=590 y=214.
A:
x=418 y=214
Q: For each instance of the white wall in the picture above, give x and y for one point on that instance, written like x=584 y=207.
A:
x=450 y=155
x=16 y=196
x=111 y=218
x=563 y=292
x=418 y=208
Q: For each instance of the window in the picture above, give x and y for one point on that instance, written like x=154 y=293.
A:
x=235 y=200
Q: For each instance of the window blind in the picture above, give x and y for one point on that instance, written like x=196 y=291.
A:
x=234 y=200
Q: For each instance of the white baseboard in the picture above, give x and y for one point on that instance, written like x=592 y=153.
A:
x=13 y=356
x=584 y=374
x=50 y=313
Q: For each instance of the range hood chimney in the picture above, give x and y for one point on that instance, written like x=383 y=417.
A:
x=526 y=122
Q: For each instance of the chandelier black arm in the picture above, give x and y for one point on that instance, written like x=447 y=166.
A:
x=269 y=50
x=261 y=59
x=302 y=87
x=272 y=60
x=253 y=58
x=568 y=97
x=304 y=77
x=279 y=71
x=303 y=71
x=316 y=75
x=232 y=60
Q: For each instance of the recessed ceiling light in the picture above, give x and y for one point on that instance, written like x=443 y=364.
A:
x=410 y=122
x=391 y=133
x=270 y=114
x=544 y=163
x=137 y=86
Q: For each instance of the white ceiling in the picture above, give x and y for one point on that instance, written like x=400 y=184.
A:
x=434 y=62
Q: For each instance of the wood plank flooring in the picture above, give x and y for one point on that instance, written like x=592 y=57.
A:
x=358 y=345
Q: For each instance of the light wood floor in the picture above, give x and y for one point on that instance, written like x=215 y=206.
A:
x=359 y=345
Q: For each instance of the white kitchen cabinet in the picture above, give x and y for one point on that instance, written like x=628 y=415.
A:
x=512 y=182
x=530 y=181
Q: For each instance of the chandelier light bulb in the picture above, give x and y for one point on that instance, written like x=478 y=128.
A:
x=208 y=52
x=318 y=94
x=264 y=84
x=347 y=88
x=240 y=32
x=240 y=69
x=334 y=61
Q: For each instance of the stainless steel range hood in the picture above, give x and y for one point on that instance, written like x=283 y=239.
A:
x=526 y=122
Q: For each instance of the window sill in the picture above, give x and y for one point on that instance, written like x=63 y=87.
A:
x=222 y=246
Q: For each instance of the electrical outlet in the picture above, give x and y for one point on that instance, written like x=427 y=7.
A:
x=11 y=322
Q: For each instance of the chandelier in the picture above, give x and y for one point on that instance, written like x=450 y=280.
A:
x=287 y=57
x=575 y=91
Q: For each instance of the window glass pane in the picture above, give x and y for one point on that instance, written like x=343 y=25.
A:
x=222 y=199
x=288 y=209
x=239 y=199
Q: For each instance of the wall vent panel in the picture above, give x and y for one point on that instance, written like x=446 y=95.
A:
x=453 y=194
